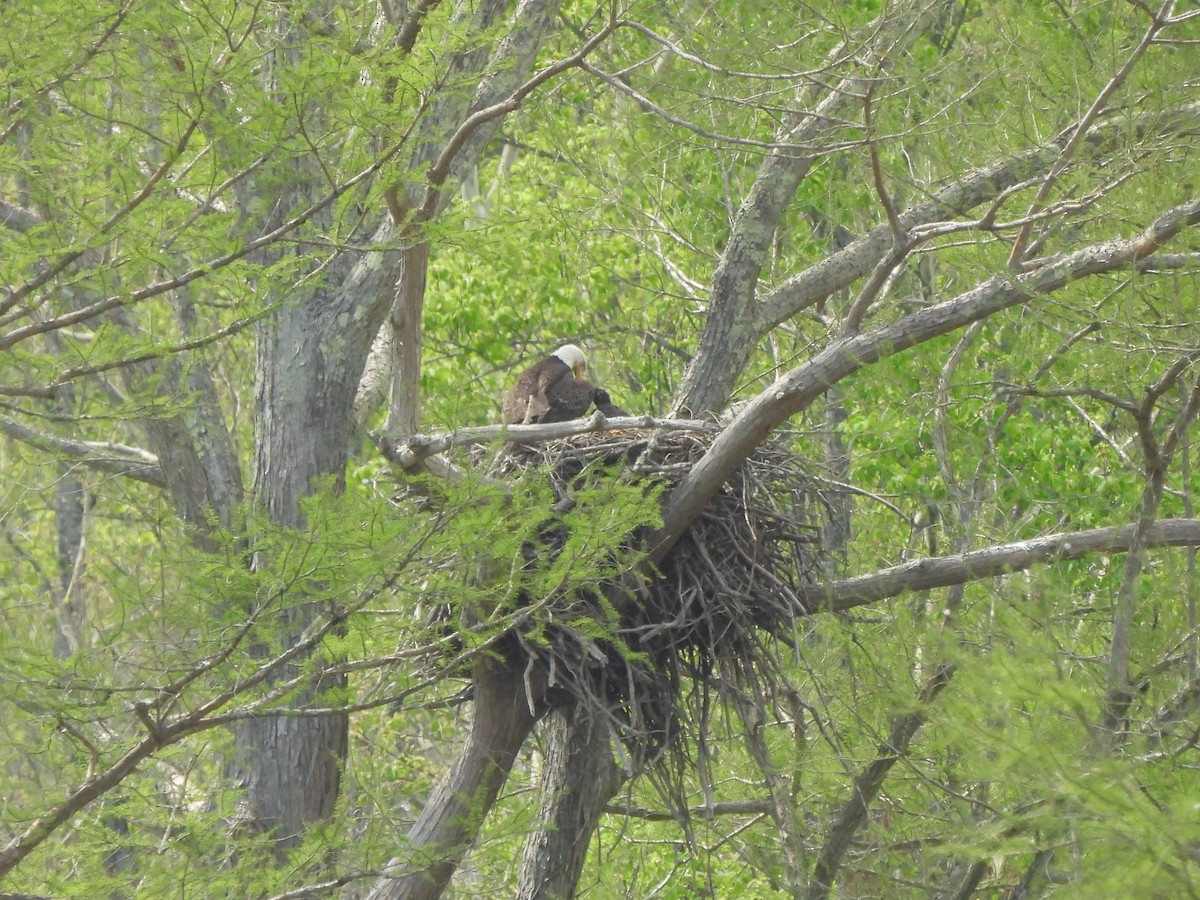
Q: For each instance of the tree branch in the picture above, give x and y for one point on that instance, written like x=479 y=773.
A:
x=160 y=287
x=1158 y=22
x=117 y=459
x=756 y=807
x=165 y=731
x=413 y=449
x=730 y=328
x=840 y=269
x=992 y=562
x=800 y=387
x=868 y=783
x=133 y=203
x=440 y=169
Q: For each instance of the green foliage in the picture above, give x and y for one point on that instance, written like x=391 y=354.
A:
x=189 y=167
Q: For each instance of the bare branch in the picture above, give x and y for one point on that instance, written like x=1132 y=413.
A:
x=800 y=387
x=1156 y=456
x=719 y=70
x=731 y=326
x=839 y=270
x=868 y=783
x=117 y=459
x=407 y=37
x=813 y=149
x=1068 y=153
x=409 y=451
x=992 y=562
x=881 y=190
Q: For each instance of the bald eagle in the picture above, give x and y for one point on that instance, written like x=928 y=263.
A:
x=553 y=390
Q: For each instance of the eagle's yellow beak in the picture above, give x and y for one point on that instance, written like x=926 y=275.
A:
x=580 y=371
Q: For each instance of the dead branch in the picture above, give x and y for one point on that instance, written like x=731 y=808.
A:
x=411 y=450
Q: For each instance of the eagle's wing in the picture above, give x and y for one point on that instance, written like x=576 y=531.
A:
x=541 y=401
x=569 y=399
x=537 y=408
x=515 y=405
x=529 y=399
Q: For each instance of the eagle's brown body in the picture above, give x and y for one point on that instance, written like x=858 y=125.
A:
x=553 y=390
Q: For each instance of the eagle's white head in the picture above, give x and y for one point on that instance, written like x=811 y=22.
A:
x=574 y=358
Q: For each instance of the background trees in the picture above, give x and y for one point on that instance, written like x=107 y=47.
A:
x=946 y=252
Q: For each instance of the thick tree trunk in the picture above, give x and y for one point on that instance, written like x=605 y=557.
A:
x=579 y=777
x=292 y=765
x=194 y=447
x=451 y=819
x=310 y=360
x=292 y=772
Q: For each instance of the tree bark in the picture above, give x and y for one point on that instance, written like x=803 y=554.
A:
x=405 y=344
x=449 y=141
x=993 y=562
x=579 y=777
x=69 y=507
x=723 y=351
x=195 y=451
x=456 y=809
x=310 y=360
x=312 y=354
x=1119 y=691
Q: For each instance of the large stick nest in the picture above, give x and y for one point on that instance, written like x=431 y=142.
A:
x=723 y=601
